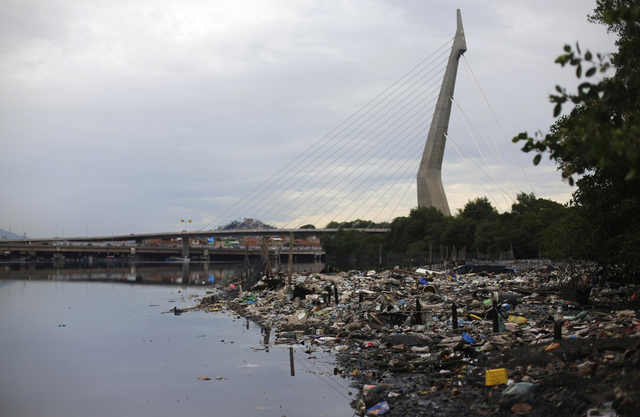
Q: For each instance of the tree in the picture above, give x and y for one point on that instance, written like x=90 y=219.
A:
x=600 y=138
x=604 y=127
x=478 y=209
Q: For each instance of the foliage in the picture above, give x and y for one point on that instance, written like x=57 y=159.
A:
x=478 y=227
x=605 y=124
x=351 y=243
x=601 y=139
x=355 y=224
x=414 y=234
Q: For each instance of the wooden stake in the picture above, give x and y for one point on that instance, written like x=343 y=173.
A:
x=290 y=257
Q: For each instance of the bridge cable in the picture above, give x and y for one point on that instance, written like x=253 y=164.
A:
x=399 y=149
x=482 y=169
x=455 y=147
x=500 y=125
x=490 y=174
x=419 y=145
x=493 y=139
x=414 y=150
x=361 y=172
x=391 y=143
x=351 y=147
x=408 y=181
x=354 y=143
x=328 y=134
x=486 y=144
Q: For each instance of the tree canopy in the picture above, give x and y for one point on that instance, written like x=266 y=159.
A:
x=604 y=126
x=600 y=138
x=478 y=227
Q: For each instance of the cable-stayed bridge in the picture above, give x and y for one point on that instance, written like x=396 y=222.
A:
x=365 y=166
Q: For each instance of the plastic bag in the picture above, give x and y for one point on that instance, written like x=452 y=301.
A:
x=378 y=409
x=519 y=392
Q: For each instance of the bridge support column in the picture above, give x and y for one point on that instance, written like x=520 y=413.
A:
x=58 y=255
x=205 y=254
x=185 y=247
x=429 y=181
x=185 y=273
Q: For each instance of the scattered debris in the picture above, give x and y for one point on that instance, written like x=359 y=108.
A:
x=452 y=337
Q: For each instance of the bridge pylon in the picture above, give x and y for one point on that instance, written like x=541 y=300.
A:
x=429 y=181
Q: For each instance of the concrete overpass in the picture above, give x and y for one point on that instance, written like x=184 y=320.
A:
x=131 y=244
x=121 y=250
x=138 y=237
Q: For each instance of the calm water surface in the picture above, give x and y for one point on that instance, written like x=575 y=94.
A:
x=72 y=348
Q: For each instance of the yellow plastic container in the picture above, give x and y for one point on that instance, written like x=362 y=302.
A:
x=517 y=319
x=496 y=376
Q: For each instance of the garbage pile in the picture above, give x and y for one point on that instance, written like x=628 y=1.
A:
x=425 y=342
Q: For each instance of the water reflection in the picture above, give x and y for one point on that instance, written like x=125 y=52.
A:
x=291 y=363
x=193 y=273
x=266 y=332
x=103 y=349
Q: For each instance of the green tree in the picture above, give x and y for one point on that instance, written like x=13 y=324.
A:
x=604 y=127
x=478 y=209
x=600 y=138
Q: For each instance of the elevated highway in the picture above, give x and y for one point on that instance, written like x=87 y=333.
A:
x=159 y=252
x=138 y=237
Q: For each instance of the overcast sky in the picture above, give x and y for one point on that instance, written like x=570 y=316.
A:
x=128 y=116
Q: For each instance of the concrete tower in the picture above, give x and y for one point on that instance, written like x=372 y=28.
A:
x=430 y=190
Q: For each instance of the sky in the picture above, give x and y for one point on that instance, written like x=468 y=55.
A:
x=129 y=116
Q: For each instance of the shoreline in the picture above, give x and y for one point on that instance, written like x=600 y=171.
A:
x=392 y=335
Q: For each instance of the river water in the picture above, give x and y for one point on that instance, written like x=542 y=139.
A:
x=76 y=343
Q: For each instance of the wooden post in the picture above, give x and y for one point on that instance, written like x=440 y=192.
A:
x=418 y=315
x=265 y=254
x=380 y=259
x=291 y=363
x=430 y=255
x=290 y=257
x=454 y=315
x=247 y=264
x=512 y=257
x=557 y=330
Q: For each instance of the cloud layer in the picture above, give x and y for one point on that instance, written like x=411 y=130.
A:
x=128 y=116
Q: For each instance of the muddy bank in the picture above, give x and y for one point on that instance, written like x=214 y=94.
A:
x=479 y=343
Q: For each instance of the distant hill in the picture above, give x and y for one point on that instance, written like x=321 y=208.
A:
x=246 y=224
x=10 y=235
